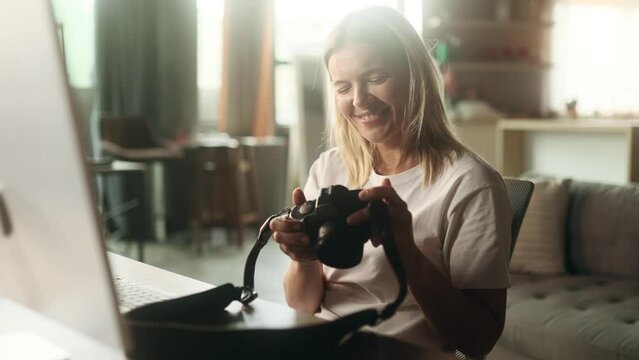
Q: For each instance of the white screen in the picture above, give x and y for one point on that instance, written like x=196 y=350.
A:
x=54 y=261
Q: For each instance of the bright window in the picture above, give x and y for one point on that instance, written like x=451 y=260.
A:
x=595 y=57
x=210 y=14
x=76 y=27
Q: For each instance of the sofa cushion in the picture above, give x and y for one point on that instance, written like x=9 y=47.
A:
x=603 y=229
x=573 y=317
x=540 y=247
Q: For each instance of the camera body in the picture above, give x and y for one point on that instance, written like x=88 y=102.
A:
x=337 y=244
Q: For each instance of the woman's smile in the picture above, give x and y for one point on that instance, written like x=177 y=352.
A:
x=371 y=118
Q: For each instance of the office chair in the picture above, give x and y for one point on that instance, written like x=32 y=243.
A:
x=519 y=192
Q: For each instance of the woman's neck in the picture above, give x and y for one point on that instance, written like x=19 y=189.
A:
x=390 y=161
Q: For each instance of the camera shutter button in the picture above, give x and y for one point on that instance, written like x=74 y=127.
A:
x=305 y=209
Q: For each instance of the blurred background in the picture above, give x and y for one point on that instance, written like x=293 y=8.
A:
x=201 y=116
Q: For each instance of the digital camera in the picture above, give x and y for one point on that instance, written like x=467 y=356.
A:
x=337 y=244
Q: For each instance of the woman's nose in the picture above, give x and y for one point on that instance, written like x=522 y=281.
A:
x=361 y=96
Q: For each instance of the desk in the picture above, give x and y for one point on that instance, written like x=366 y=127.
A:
x=264 y=314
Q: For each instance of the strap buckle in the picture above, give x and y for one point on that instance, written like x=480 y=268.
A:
x=247 y=295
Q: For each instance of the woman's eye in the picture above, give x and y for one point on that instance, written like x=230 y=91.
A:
x=377 y=79
x=342 y=89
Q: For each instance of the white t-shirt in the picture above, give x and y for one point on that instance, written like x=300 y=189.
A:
x=461 y=223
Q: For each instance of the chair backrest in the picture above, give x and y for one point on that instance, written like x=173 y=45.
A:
x=519 y=191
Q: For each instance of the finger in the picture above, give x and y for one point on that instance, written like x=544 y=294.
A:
x=358 y=217
x=298 y=196
x=386 y=182
x=296 y=238
x=298 y=253
x=286 y=225
x=387 y=193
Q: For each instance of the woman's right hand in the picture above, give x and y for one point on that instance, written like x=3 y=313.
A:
x=289 y=235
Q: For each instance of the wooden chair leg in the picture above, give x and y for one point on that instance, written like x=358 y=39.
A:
x=248 y=187
x=196 y=236
x=252 y=184
x=235 y=193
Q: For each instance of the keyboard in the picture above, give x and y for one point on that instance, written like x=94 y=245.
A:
x=132 y=294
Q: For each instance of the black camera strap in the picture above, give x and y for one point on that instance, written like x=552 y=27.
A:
x=248 y=293
x=381 y=228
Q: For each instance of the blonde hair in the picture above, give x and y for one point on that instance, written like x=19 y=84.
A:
x=426 y=134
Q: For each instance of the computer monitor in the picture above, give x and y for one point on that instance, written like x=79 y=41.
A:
x=52 y=257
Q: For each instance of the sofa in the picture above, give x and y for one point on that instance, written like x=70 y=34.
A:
x=585 y=303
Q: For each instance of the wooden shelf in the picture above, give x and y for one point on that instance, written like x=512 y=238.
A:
x=498 y=66
x=570 y=125
x=478 y=25
x=505 y=58
x=479 y=121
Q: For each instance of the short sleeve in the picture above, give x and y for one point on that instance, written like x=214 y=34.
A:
x=477 y=241
x=311 y=189
x=327 y=170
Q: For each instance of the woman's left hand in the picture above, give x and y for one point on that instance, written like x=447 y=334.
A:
x=401 y=218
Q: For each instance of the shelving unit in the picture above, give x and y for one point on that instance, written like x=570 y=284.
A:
x=565 y=148
x=485 y=25
x=499 y=67
x=498 y=50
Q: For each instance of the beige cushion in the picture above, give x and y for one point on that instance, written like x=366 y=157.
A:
x=540 y=247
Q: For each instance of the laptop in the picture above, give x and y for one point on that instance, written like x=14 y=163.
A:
x=52 y=255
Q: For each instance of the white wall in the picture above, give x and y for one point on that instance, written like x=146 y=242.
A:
x=594 y=157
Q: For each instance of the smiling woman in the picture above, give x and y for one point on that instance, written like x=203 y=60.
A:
x=449 y=210
x=370 y=89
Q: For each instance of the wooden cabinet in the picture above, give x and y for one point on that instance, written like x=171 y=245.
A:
x=496 y=50
x=481 y=137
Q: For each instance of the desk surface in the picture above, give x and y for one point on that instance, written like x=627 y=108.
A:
x=267 y=315
x=262 y=314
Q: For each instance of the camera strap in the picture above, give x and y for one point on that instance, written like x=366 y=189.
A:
x=381 y=228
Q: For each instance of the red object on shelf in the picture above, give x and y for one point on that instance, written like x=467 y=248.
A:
x=507 y=52
x=491 y=53
x=522 y=53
